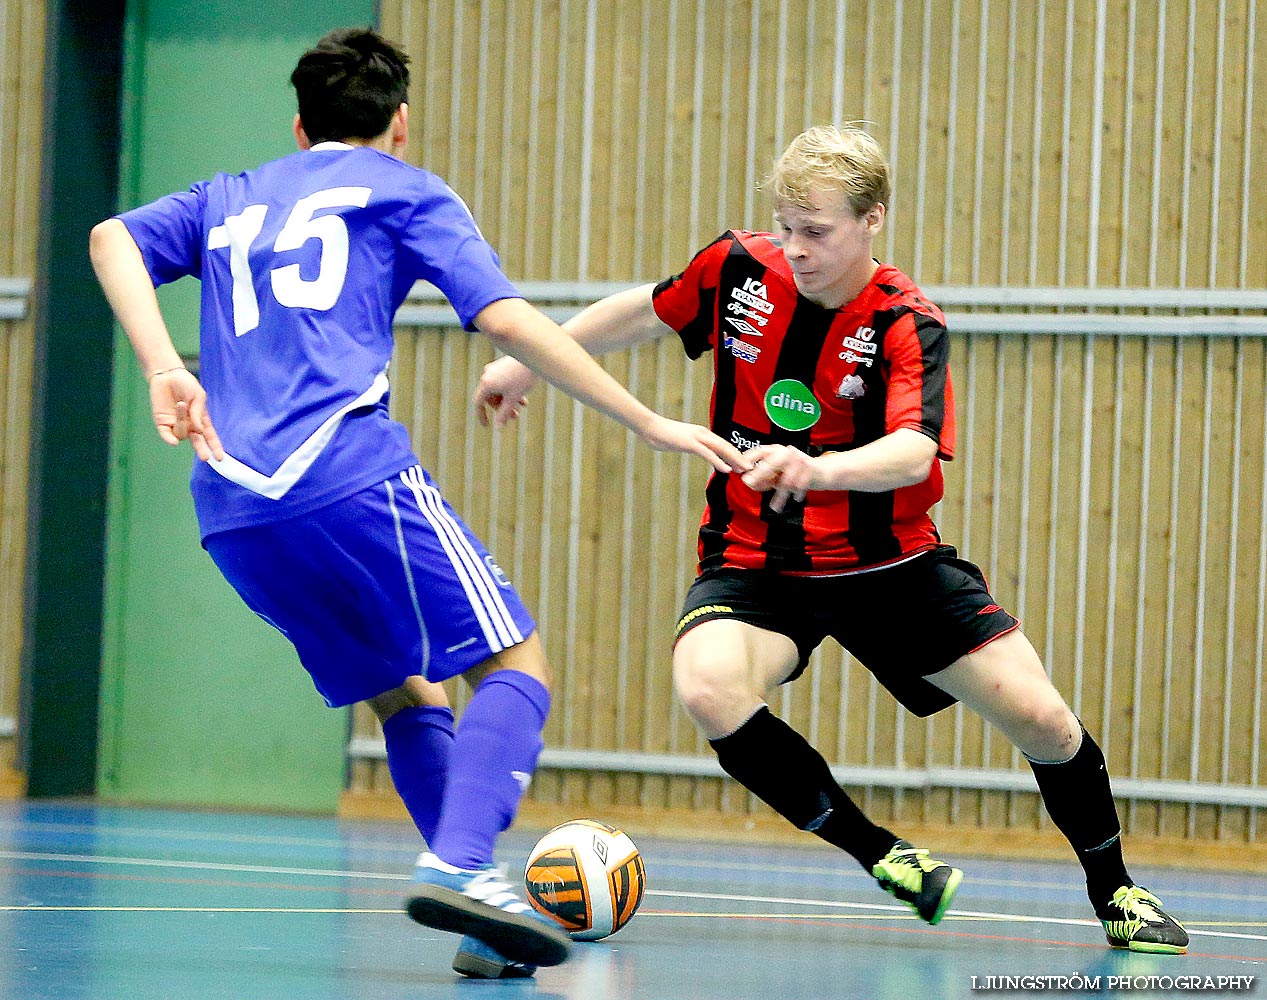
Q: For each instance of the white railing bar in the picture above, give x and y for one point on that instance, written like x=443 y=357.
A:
x=15 y=296
x=1224 y=299
x=971 y=778
x=1002 y=323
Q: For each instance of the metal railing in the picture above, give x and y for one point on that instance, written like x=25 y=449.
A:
x=15 y=294
x=1221 y=311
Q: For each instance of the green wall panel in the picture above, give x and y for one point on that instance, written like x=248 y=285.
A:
x=201 y=701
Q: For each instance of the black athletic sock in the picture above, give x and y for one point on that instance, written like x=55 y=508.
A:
x=773 y=761
x=1080 y=800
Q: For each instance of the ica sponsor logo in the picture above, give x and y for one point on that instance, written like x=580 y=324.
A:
x=791 y=405
x=754 y=295
x=859 y=348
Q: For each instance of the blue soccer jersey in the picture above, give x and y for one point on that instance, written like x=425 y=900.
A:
x=304 y=262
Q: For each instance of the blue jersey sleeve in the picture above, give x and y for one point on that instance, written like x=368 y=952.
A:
x=169 y=233
x=452 y=254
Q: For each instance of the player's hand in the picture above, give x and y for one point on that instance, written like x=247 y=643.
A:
x=676 y=435
x=179 y=405
x=782 y=468
x=504 y=389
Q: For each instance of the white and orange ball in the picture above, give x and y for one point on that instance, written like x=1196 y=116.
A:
x=588 y=876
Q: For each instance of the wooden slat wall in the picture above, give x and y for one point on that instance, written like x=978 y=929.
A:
x=21 y=69
x=1113 y=143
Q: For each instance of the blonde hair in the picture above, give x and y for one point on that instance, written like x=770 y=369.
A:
x=825 y=159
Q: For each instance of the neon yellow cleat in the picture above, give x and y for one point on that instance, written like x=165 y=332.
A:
x=923 y=883
x=1135 y=920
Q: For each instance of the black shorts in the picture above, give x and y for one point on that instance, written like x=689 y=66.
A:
x=902 y=623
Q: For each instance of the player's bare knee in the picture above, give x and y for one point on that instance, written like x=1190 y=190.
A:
x=714 y=694
x=1047 y=730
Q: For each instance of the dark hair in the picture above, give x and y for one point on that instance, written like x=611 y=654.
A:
x=350 y=84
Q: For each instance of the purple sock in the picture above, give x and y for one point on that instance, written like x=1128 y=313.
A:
x=419 y=747
x=494 y=754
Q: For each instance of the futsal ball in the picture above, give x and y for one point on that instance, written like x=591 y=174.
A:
x=588 y=876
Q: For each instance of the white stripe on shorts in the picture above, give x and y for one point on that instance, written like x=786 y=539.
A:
x=490 y=635
x=483 y=578
x=409 y=579
x=500 y=629
x=493 y=601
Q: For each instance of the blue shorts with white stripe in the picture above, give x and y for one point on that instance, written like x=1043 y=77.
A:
x=380 y=586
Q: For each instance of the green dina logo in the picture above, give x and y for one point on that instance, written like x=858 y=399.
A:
x=791 y=405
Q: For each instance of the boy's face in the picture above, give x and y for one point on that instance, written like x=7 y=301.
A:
x=828 y=247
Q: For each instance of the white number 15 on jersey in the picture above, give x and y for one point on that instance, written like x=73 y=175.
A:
x=239 y=231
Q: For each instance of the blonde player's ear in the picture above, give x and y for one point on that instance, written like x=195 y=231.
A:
x=875 y=217
x=301 y=137
x=400 y=128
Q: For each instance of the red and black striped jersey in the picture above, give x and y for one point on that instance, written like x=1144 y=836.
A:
x=787 y=371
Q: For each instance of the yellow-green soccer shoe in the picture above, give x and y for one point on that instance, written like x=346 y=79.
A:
x=1135 y=920
x=925 y=884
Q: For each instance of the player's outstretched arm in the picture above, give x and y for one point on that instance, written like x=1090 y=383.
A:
x=177 y=400
x=539 y=345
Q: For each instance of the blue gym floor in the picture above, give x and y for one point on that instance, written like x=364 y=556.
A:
x=106 y=903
